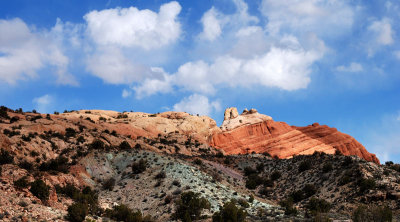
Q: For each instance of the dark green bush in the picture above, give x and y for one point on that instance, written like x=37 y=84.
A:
x=124 y=213
x=109 y=184
x=230 y=212
x=305 y=165
x=249 y=171
x=327 y=167
x=374 y=213
x=297 y=195
x=69 y=132
x=190 y=206
x=309 y=190
x=276 y=175
x=3 y=112
x=21 y=183
x=198 y=161
x=40 y=189
x=59 y=164
x=288 y=205
x=6 y=157
x=139 y=167
x=68 y=190
x=253 y=181
x=318 y=206
x=243 y=203
x=366 y=184
x=97 y=145
x=160 y=175
x=77 y=212
x=124 y=146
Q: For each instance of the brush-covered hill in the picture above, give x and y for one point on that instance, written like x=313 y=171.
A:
x=134 y=166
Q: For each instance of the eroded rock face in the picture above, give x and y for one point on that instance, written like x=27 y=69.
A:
x=259 y=133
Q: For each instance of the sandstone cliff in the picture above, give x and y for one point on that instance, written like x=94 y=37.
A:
x=254 y=132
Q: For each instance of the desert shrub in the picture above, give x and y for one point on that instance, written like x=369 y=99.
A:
x=5 y=157
x=124 y=213
x=40 y=189
x=26 y=165
x=374 y=213
x=138 y=146
x=253 y=181
x=249 y=171
x=1 y=170
x=219 y=155
x=124 y=146
x=59 y=164
x=251 y=198
x=315 y=206
x=288 y=205
x=21 y=183
x=327 y=167
x=10 y=133
x=305 y=165
x=309 y=190
x=34 y=153
x=77 y=212
x=242 y=202
x=366 y=184
x=109 y=184
x=3 y=112
x=139 y=166
x=297 y=195
x=389 y=163
x=69 y=132
x=190 y=206
x=160 y=175
x=260 y=167
x=198 y=161
x=230 y=212
x=80 y=139
x=114 y=133
x=347 y=161
x=97 y=145
x=14 y=119
x=338 y=153
x=68 y=190
x=276 y=175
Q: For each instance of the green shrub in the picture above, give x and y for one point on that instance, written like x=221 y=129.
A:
x=309 y=190
x=77 y=212
x=249 y=171
x=161 y=175
x=327 y=167
x=124 y=146
x=59 y=164
x=68 y=190
x=230 y=212
x=305 y=165
x=276 y=175
x=6 y=157
x=40 y=189
x=69 y=132
x=124 y=213
x=374 y=213
x=253 y=181
x=243 y=203
x=26 y=165
x=109 y=184
x=139 y=167
x=366 y=184
x=288 y=205
x=97 y=145
x=3 y=112
x=21 y=183
x=318 y=206
x=198 y=162
x=190 y=206
x=251 y=198
x=297 y=195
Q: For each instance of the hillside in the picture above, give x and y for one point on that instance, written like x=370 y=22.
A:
x=148 y=162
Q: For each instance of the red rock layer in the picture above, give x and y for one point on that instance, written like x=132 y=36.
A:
x=284 y=141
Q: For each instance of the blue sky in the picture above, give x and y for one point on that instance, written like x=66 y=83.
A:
x=332 y=62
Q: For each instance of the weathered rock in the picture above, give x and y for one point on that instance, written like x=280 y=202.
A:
x=231 y=113
x=259 y=133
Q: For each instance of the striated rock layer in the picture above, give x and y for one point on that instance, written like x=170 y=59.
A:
x=260 y=134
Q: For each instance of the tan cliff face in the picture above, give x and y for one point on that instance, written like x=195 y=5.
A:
x=254 y=132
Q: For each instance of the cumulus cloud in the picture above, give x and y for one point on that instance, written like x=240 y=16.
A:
x=126 y=93
x=212 y=25
x=197 y=104
x=131 y=27
x=23 y=52
x=43 y=103
x=324 y=17
x=353 y=67
x=383 y=31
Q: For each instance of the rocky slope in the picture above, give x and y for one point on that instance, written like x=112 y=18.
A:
x=101 y=149
x=254 y=132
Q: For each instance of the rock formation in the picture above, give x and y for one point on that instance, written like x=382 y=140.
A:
x=254 y=132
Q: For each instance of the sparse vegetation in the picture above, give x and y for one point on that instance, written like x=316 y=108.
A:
x=287 y=204
x=40 y=189
x=6 y=157
x=21 y=183
x=109 y=184
x=190 y=206
x=318 y=206
x=305 y=165
x=373 y=213
x=124 y=146
x=230 y=212
x=139 y=167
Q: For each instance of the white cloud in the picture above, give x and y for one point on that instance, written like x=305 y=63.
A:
x=126 y=93
x=197 y=104
x=383 y=31
x=324 y=17
x=23 y=52
x=397 y=54
x=43 y=103
x=131 y=27
x=212 y=25
x=353 y=67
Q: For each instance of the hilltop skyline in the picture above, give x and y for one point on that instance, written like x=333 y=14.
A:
x=332 y=62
